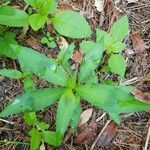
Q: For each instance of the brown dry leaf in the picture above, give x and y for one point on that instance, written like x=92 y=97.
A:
x=62 y=43
x=142 y=96
x=77 y=57
x=138 y=43
x=64 y=6
x=32 y=42
x=99 y=4
x=88 y=134
x=85 y=117
x=42 y=147
x=108 y=135
x=50 y=28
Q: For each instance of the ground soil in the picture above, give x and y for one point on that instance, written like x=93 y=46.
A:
x=133 y=131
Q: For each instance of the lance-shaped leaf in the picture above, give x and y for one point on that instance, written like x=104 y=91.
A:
x=65 y=110
x=45 y=67
x=35 y=139
x=13 y=17
x=91 y=61
x=65 y=54
x=32 y=101
x=11 y=73
x=76 y=117
x=113 y=99
x=71 y=24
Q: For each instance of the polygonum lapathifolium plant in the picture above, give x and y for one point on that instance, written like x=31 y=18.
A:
x=114 y=45
x=67 y=23
x=70 y=87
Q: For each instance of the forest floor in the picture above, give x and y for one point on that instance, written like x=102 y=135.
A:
x=99 y=132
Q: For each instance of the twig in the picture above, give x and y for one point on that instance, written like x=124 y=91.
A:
x=93 y=145
x=101 y=117
x=147 y=139
x=3 y=120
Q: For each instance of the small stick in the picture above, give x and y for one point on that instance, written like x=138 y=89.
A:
x=3 y=120
x=147 y=139
x=93 y=145
x=101 y=117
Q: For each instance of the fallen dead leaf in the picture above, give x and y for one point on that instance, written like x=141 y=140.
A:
x=88 y=134
x=108 y=135
x=142 y=96
x=85 y=117
x=32 y=42
x=42 y=147
x=138 y=43
x=99 y=4
x=64 y=6
x=62 y=43
x=77 y=57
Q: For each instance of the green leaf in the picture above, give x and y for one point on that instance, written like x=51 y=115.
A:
x=11 y=73
x=48 y=7
x=100 y=34
x=36 y=21
x=113 y=99
x=33 y=3
x=56 y=76
x=35 y=139
x=76 y=117
x=42 y=66
x=65 y=54
x=103 y=36
x=91 y=61
x=42 y=126
x=32 y=101
x=38 y=63
x=117 y=64
x=93 y=79
x=30 y=118
x=120 y=29
x=5 y=48
x=66 y=107
x=118 y=47
x=13 y=17
x=86 y=46
x=71 y=24
x=44 y=40
x=52 y=138
x=52 y=44
x=28 y=83
x=7 y=10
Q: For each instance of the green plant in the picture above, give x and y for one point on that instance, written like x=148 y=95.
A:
x=113 y=45
x=67 y=23
x=49 y=41
x=70 y=87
